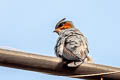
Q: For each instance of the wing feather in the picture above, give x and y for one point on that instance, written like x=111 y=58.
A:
x=72 y=45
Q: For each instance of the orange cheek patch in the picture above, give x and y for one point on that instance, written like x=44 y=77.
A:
x=57 y=30
x=67 y=25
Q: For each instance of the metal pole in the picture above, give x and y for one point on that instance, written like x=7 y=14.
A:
x=54 y=66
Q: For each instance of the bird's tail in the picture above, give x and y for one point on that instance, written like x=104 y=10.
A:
x=89 y=59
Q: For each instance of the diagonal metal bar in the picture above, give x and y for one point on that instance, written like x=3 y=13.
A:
x=54 y=66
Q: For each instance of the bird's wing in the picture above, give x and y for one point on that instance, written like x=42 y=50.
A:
x=59 y=46
x=76 y=47
x=68 y=55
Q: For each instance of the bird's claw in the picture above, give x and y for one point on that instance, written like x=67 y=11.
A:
x=74 y=64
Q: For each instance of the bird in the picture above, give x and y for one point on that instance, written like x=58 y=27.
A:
x=72 y=45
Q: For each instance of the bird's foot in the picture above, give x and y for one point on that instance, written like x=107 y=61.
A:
x=74 y=64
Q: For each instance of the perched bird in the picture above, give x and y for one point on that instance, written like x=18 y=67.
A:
x=72 y=45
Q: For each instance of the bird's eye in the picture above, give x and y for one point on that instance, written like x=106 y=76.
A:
x=61 y=24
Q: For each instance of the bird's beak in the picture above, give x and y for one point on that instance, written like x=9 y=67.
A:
x=57 y=30
x=54 y=31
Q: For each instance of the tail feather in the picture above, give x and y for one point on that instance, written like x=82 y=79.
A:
x=89 y=60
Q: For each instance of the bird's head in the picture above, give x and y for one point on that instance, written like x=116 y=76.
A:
x=62 y=25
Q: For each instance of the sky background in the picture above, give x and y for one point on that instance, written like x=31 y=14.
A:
x=28 y=25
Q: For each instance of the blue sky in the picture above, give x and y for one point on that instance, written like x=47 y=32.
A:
x=28 y=25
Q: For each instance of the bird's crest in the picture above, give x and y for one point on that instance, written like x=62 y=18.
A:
x=59 y=22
